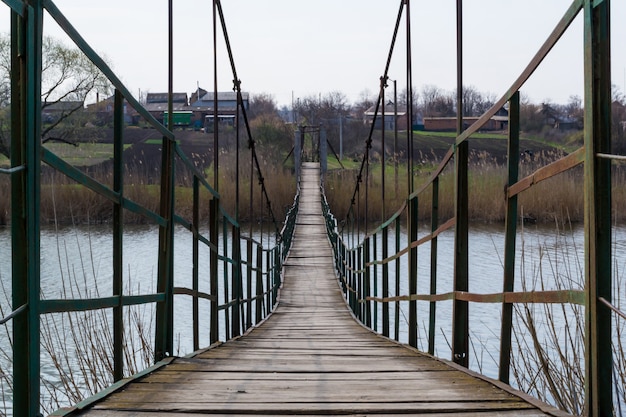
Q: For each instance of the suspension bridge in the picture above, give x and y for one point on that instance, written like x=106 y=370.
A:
x=299 y=317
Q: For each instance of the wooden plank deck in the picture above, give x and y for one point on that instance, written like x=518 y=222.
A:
x=312 y=358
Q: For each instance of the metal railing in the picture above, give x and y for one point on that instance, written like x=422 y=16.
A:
x=362 y=265
x=246 y=298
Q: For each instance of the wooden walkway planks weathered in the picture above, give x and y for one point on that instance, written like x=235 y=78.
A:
x=312 y=358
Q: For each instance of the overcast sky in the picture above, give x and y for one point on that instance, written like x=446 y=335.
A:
x=300 y=48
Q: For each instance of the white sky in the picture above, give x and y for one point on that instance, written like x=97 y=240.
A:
x=285 y=47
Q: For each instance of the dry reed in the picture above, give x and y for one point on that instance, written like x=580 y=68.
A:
x=558 y=197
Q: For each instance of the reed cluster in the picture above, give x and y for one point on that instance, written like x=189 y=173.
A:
x=548 y=339
x=560 y=197
x=65 y=202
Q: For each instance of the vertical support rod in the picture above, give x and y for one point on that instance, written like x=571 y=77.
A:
x=396 y=318
x=259 y=284
x=216 y=145
x=367 y=280
x=323 y=153
x=597 y=133
x=227 y=286
x=385 y=288
x=118 y=234
x=373 y=256
x=26 y=35
x=510 y=238
x=460 y=322
x=236 y=282
x=383 y=84
x=395 y=136
x=409 y=83
x=249 y=266
x=268 y=279
x=413 y=206
x=213 y=268
x=195 y=226
x=297 y=151
x=164 y=333
x=433 y=266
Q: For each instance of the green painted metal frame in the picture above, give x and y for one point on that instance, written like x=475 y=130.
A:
x=596 y=157
x=27 y=155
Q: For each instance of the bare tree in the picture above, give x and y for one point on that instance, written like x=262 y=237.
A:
x=262 y=104
x=437 y=102
x=68 y=79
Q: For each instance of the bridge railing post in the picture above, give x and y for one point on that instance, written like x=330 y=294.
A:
x=118 y=235
x=269 y=270
x=385 y=289
x=26 y=41
x=434 y=224
x=236 y=282
x=259 y=285
x=277 y=272
x=227 y=290
x=510 y=238
x=598 y=245
x=213 y=268
x=354 y=281
x=396 y=318
x=249 y=297
x=373 y=286
x=366 y=279
x=460 y=308
x=412 y=271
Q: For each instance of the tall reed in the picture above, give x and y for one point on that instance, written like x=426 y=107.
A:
x=548 y=359
x=558 y=197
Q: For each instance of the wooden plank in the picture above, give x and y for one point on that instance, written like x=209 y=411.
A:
x=514 y=413
x=311 y=358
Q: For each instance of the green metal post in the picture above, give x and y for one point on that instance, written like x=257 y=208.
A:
x=164 y=332
x=195 y=226
x=236 y=283
x=460 y=322
x=354 y=282
x=268 y=280
x=510 y=237
x=226 y=290
x=277 y=272
x=213 y=264
x=118 y=234
x=396 y=318
x=26 y=37
x=259 y=284
x=434 y=225
x=385 y=288
x=413 y=207
x=372 y=255
x=597 y=131
x=249 y=267
x=367 y=279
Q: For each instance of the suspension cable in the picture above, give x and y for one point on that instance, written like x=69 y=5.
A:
x=251 y=141
x=368 y=142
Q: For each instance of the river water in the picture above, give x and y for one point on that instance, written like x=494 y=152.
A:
x=77 y=261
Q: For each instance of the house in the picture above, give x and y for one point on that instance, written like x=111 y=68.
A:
x=391 y=118
x=449 y=124
x=104 y=111
x=51 y=112
x=499 y=121
x=203 y=108
x=557 y=119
